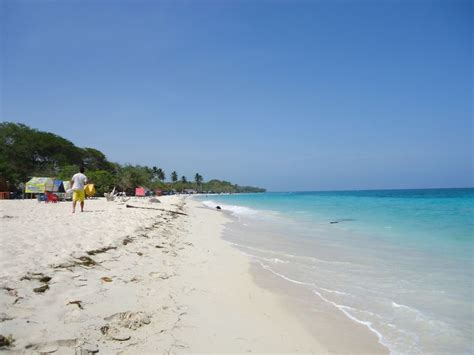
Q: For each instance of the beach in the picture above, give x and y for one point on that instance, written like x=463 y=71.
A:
x=394 y=263
x=153 y=279
x=260 y=176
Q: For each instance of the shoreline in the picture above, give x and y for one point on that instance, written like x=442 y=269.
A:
x=336 y=331
x=386 y=263
x=236 y=315
x=137 y=281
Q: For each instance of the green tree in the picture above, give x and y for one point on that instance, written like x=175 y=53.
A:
x=104 y=181
x=68 y=171
x=198 y=180
x=178 y=186
x=160 y=185
x=215 y=185
x=160 y=174
x=95 y=160
x=174 y=176
x=154 y=173
x=25 y=152
x=131 y=176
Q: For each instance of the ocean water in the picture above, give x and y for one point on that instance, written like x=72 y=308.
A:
x=399 y=262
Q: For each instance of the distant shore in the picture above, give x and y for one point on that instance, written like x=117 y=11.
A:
x=139 y=280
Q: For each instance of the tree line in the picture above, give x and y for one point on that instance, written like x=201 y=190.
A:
x=26 y=152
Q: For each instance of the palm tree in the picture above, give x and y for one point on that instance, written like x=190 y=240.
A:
x=154 y=172
x=198 y=179
x=183 y=184
x=160 y=174
x=174 y=176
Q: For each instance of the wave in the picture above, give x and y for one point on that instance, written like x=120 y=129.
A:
x=351 y=312
x=291 y=256
x=334 y=291
x=273 y=260
x=419 y=315
x=236 y=210
x=344 y=309
x=266 y=267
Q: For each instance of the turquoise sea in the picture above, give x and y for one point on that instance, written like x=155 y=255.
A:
x=400 y=262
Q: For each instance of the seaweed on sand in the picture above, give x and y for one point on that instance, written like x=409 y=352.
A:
x=83 y=261
x=4 y=317
x=159 y=209
x=36 y=276
x=99 y=251
x=41 y=289
x=6 y=341
x=77 y=303
x=127 y=240
x=11 y=291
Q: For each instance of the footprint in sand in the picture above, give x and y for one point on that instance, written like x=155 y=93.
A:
x=54 y=346
x=160 y=275
x=119 y=323
x=130 y=320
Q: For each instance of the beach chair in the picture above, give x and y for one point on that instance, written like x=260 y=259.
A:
x=123 y=197
x=110 y=196
x=50 y=197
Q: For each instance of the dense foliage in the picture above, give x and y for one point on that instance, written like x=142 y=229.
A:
x=226 y=186
x=26 y=152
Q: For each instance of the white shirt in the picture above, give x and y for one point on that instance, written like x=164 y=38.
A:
x=78 y=181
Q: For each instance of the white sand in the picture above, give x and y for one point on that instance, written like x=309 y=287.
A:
x=171 y=285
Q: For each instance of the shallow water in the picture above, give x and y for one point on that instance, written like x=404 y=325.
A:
x=399 y=262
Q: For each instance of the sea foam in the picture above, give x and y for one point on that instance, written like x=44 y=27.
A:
x=235 y=210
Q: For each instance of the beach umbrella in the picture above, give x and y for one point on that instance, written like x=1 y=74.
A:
x=39 y=185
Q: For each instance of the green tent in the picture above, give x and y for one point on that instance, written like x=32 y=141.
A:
x=39 y=185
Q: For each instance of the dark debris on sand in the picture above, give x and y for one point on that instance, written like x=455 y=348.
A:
x=77 y=303
x=83 y=261
x=6 y=341
x=41 y=289
x=99 y=251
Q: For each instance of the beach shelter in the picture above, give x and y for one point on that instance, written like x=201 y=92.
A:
x=140 y=191
x=58 y=186
x=39 y=185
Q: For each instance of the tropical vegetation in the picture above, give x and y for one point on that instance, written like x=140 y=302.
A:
x=26 y=152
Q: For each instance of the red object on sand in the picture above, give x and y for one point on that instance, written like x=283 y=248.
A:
x=139 y=191
x=51 y=197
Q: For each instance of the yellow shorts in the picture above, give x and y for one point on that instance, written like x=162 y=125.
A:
x=78 y=195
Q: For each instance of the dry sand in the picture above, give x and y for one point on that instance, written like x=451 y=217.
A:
x=126 y=280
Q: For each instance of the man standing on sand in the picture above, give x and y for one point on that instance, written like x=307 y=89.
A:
x=78 y=182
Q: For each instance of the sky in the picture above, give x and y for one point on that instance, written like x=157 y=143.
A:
x=287 y=95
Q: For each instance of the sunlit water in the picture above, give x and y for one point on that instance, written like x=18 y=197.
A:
x=400 y=262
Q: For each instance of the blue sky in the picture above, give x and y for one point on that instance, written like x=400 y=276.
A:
x=289 y=95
